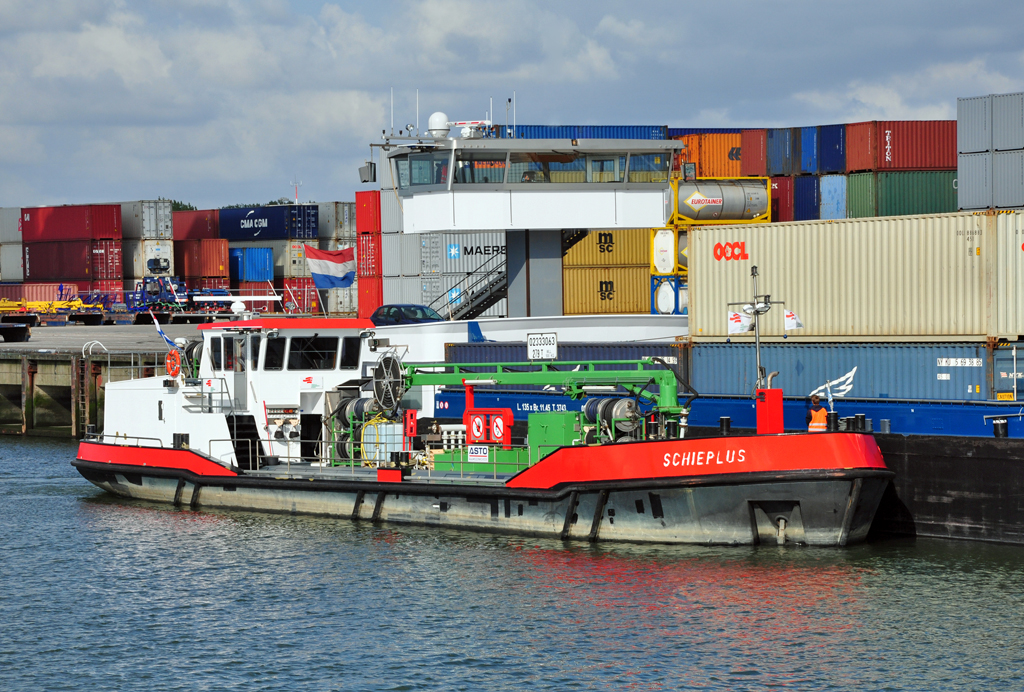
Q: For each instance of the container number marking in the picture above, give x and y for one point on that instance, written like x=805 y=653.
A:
x=959 y=362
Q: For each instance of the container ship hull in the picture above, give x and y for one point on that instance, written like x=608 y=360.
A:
x=831 y=506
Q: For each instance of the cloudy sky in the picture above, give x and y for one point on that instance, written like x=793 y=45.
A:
x=218 y=102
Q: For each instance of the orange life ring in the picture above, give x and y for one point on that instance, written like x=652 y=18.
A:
x=173 y=363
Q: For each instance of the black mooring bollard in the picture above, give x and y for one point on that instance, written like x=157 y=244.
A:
x=832 y=422
x=999 y=427
x=861 y=424
x=724 y=425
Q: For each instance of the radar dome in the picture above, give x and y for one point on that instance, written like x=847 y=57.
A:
x=437 y=125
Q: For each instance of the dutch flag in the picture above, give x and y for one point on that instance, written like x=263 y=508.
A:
x=332 y=269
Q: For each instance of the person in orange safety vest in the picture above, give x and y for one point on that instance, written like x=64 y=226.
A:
x=817 y=416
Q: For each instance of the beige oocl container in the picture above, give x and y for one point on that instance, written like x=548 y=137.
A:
x=606 y=290
x=904 y=276
x=618 y=248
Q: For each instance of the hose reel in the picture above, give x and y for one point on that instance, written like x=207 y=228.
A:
x=388 y=382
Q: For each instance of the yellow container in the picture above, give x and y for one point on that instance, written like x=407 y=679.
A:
x=618 y=248
x=606 y=290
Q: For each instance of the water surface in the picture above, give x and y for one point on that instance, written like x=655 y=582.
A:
x=100 y=593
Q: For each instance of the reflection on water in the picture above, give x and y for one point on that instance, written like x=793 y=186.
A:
x=100 y=593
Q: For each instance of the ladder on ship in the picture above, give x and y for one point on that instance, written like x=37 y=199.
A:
x=481 y=289
x=82 y=367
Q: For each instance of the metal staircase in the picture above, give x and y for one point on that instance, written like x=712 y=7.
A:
x=479 y=290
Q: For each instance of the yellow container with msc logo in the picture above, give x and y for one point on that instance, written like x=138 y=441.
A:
x=606 y=290
x=619 y=248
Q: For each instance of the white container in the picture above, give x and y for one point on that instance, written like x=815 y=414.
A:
x=663 y=252
x=289 y=256
x=333 y=244
x=1007 y=121
x=974 y=124
x=146 y=220
x=11 y=262
x=1008 y=179
x=1007 y=310
x=900 y=276
x=390 y=213
x=974 y=181
x=343 y=301
x=10 y=225
x=336 y=220
x=402 y=290
x=431 y=253
x=391 y=255
x=411 y=257
x=143 y=258
x=469 y=252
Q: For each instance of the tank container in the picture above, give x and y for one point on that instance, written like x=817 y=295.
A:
x=974 y=181
x=833 y=197
x=904 y=276
x=808 y=149
x=77 y=222
x=1008 y=179
x=974 y=124
x=754 y=153
x=606 y=290
x=147 y=220
x=196 y=225
x=832 y=148
x=1008 y=121
x=668 y=295
x=11 y=258
x=782 y=199
x=147 y=257
x=738 y=200
x=10 y=225
x=944 y=371
x=611 y=248
x=806 y=198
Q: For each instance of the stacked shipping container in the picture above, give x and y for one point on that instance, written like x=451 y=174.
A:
x=11 y=255
x=337 y=232
x=608 y=272
x=990 y=151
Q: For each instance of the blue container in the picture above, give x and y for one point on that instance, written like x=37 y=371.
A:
x=947 y=371
x=780 y=151
x=278 y=222
x=833 y=197
x=257 y=264
x=832 y=149
x=806 y=198
x=235 y=260
x=808 y=150
x=683 y=131
x=590 y=132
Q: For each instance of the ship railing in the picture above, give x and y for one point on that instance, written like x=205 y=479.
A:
x=122 y=439
x=141 y=365
x=210 y=399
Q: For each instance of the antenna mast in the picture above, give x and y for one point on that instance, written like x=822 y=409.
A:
x=297 y=183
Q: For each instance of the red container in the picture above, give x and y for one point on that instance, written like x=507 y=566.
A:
x=208 y=283
x=112 y=287
x=196 y=225
x=208 y=257
x=371 y=295
x=303 y=293
x=754 y=153
x=37 y=292
x=260 y=288
x=368 y=212
x=782 y=199
x=84 y=260
x=901 y=145
x=368 y=256
x=78 y=222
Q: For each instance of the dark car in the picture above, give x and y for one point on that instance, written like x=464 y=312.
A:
x=403 y=314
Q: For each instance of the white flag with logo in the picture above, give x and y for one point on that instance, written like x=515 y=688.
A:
x=792 y=321
x=739 y=323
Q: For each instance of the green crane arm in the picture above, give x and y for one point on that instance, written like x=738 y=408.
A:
x=574 y=377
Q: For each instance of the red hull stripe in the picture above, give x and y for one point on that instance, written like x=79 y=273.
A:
x=702 y=457
x=293 y=323
x=151 y=457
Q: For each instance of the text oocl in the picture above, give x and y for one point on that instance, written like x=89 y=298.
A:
x=731 y=251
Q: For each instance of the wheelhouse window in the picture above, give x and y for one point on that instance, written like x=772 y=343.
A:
x=216 y=358
x=548 y=167
x=649 y=168
x=229 y=353
x=480 y=167
x=313 y=353
x=274 y=357
x=606 y=168
x=428 y=168
x=255 y=343
x=350 y=352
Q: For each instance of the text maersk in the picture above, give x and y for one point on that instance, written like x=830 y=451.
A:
x=705 y=458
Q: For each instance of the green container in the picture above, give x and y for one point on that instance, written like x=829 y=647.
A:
x=900 y=194
x=861 y=195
